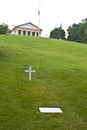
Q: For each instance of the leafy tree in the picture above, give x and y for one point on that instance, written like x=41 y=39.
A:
x=78 y=32
x=57 y=33
x=3 y=28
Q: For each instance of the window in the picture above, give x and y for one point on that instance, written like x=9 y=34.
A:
x=19 y=32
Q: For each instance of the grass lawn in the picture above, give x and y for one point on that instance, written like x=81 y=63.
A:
x=60 y=80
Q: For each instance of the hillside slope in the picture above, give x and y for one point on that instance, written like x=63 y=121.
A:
x=59 y=81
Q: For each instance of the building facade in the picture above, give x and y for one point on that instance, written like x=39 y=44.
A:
x=27 y=29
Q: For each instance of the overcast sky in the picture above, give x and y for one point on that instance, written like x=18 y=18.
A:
x=52 y=13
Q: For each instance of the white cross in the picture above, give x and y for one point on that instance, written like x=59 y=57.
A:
x=30 y=71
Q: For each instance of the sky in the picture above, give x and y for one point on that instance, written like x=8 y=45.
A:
x=53 y=13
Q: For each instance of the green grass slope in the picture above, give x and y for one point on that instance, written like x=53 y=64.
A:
x=60 y=81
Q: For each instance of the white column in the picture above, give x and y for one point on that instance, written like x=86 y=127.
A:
x=21 y=32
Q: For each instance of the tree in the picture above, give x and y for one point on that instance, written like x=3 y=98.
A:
x=57 y=33
x=78 y=32
x=4 y=28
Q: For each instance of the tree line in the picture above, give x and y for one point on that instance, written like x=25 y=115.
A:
x=76 y=32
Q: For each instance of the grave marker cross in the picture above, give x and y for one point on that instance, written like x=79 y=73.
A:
x=30 y=71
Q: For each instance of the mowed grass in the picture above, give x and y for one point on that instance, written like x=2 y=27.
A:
x=60 y=81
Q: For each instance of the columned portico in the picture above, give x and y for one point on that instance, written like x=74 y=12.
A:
x=27 y=33
x=27 y=29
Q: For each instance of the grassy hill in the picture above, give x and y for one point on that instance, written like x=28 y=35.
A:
x=60 y=81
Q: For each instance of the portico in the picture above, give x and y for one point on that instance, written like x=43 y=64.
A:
x=27 y=29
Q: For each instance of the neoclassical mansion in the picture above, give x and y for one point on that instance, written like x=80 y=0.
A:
x=27 y=29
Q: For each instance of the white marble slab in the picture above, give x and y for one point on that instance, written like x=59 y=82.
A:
x=50 y=110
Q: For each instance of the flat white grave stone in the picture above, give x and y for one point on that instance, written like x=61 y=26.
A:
x=50 y=110
x=30 y=71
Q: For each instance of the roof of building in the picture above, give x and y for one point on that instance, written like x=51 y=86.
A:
x=28 y=25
